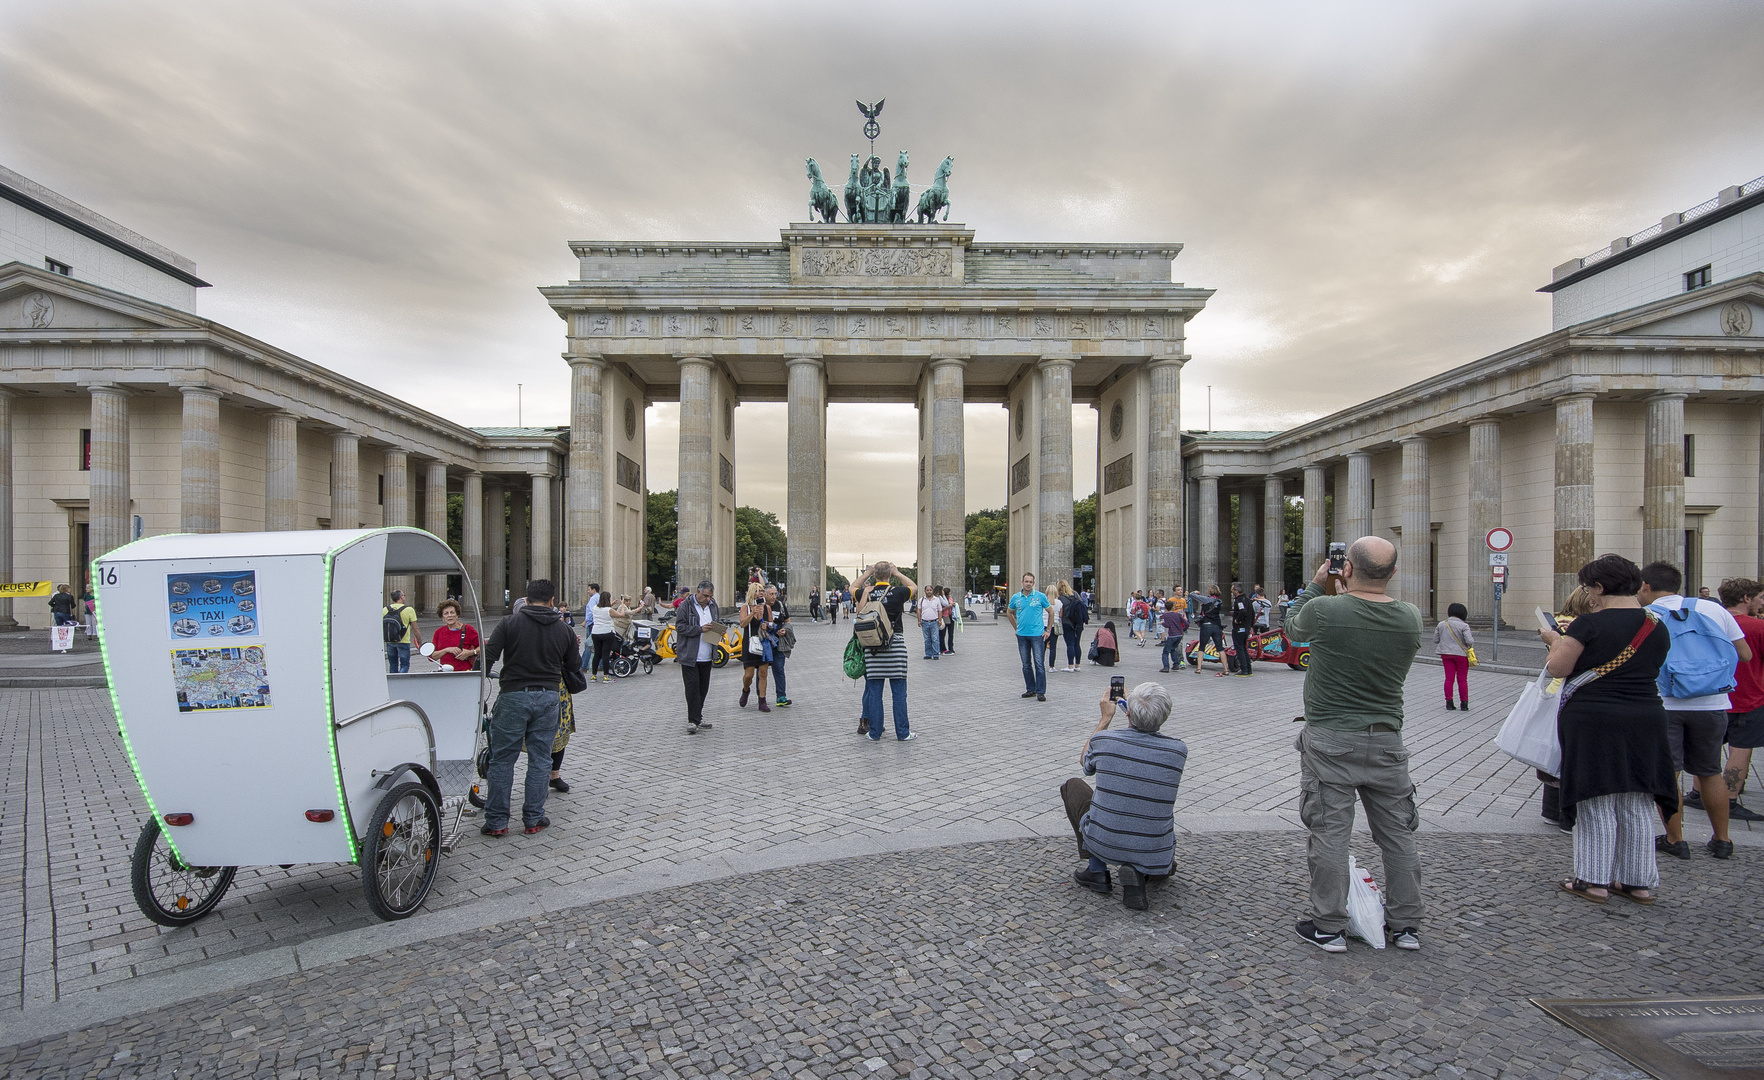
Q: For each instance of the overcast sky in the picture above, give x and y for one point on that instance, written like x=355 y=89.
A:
x=1375 y=190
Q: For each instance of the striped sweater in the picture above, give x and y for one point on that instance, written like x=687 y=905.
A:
x=1129 y=820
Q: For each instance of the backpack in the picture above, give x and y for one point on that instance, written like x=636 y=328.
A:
x=873 y=628
x=854 y=659
x=1140 y=611
x=392 y=624
x=1702 y=660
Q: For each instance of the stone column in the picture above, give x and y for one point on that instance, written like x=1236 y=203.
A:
x=1414 y=560
x=1485 y=513
x=585 y=497
x=518 y=535
x=6 y=520
x=281 y=474
x=1249 y=535
x=1209 y=532
x=541 y=527
x=1357 y=522
x=698 y=472
x=395 y=510
x=1574 y=491
x=345 y=480
x=805 y=511
x=1227 y=562
x=1663 y=482
x=1164 y=565
x=1055 y=509
x=495 y=546
x=1761 y=497
x=949 y=542
x=108 y=486
x=435 y=521
x=200 y=496
x=1273 y=535
x=471 y=533
x=1316 y=532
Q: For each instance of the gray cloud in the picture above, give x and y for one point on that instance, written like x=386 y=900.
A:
x=1375 y=190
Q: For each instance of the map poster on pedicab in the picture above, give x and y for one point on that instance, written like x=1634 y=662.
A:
x=220 y=678
x=213 y=605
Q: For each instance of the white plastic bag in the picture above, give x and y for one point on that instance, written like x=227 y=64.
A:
x=1365 y=906
x=1529 y=734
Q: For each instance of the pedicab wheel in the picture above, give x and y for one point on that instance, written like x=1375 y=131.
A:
x=402 y=851
x=721 y=658
x=168 y=891
x=622 y=667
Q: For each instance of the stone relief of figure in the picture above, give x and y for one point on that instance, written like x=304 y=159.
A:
x=821 y=200
x=936 y=197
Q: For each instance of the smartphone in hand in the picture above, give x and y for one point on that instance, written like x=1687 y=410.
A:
x=1117 y=687
x=1337 y=557
x=1545 y=621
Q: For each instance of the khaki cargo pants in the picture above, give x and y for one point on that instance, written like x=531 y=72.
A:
x=1335 y=769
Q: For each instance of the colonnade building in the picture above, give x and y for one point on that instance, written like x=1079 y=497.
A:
x=1634 y=425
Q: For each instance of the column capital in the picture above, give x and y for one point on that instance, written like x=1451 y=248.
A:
x=1485 y=421
x=1668 y=395
x=284 y=414
x=946 y=361
x=1065 y=360
x=393 y=452
x=574 y=355
x=1415 y=438
x=340 y=435
x=198 y=390
x=1168 y=360
x=477 y=474
x=108 y=388
x=546 y=473
x=1318 y=469
x=805 y=358
x=683 y=359
x=1352 y=454
x=1578 y=395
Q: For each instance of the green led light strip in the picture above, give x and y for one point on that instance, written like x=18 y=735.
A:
x=330 y=713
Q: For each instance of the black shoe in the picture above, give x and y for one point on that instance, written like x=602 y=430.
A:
x=1693 y=801
x=1737 y=811
x=558 y=784
x=1336 y=942
x=1449 y=706
x=537 y=826
x=1680 y=850
x=1132 y=889
x=1040 y=697
x=1096 y=883
x=488 y=831
x=1028 y=693
x=1721 y=849
x=864 y=728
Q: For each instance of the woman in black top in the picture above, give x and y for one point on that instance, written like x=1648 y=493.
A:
x=1616 y=763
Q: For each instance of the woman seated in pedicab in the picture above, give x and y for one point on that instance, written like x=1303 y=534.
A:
x=456 y=641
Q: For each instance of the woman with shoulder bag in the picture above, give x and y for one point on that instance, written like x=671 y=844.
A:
x=1455 y=644
x=755 y=616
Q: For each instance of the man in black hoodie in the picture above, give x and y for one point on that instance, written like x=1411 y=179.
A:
x=538 y=652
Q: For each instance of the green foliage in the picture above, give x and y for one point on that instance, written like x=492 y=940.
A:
x=456 y=524
x=836 y=580
x=662 y=541
x=759 y=542
x=1084 y=535
x=987 y=541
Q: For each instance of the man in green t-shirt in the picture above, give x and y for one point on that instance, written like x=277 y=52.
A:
x=398 y=653
x=1362 y=644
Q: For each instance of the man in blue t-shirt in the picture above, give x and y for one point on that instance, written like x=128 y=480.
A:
x=1028 y=613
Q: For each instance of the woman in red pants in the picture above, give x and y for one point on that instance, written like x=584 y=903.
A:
x=1453 y=640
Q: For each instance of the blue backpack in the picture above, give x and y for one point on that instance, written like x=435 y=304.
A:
x=1702 y=660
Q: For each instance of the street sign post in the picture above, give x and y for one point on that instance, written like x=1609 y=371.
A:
x=1499 y=540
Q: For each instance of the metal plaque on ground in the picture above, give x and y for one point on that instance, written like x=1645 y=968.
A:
x=1674 y=1038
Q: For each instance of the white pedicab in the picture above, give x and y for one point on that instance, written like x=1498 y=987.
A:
x=248 y=672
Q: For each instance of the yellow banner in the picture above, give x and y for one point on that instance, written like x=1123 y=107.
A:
x=27 y=588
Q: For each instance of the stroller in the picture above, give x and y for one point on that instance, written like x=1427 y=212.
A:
x=639 y=652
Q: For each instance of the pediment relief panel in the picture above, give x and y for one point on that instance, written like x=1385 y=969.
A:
x=28 y=307
x=1732 y=316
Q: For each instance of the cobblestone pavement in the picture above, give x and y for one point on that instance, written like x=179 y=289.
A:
x=791 y=786
x=978 y=961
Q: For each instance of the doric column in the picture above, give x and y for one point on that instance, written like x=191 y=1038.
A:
x=519 y=572
x=1663 y=482
x=1574 y=491
x=281 y=474
x=1414 y=561
x=1209 y=532
x=345 y=480
x=1316 y=531
x=495 y=546
x=108 y=486
x=585 y=499
x=805 y=510
x=1164 y=484
x=1485 y=513
x=395 y=510
x=949 y=554
x=1055 y=510
x=698 y=471
x=1358 y=520
x=6 y=398
x=201 y=471
x=541 y=526
x=1273 y=535
x=435 y=521
x=471 y=532
x=1249 y=535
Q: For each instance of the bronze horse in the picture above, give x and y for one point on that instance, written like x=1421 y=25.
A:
x=851 y=192
x=821 y=199
x=903 y=193
x=936 y=197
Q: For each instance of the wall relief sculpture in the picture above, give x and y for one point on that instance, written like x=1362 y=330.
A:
x=884 y=262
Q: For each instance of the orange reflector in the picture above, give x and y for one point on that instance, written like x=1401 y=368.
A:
x=179 y=819
x=320 y=816
x=183 y=902
x=389 y=828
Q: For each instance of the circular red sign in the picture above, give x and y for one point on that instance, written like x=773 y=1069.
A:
x=1499 y=539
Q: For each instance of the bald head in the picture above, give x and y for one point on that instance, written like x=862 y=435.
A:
x=1373 y=559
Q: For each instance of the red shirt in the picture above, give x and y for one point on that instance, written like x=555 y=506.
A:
x=465 y=637
x=1749 y=674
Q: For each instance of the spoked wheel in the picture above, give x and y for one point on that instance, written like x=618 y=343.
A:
x=168 y=891
x=622 y=667
x=402 y=851
x=648 y=666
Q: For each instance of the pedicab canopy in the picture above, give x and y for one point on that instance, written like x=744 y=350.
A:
x=248 y=673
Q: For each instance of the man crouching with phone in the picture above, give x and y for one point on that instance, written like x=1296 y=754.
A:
x=1127 y=820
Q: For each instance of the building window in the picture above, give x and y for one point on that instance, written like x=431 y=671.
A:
x=1690 y=455
x=1697 y=278
x=86 y=449
x=382 y=489
x=1374 y=486
x=56 y=266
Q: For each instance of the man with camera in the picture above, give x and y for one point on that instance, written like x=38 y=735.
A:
x=1362 y=644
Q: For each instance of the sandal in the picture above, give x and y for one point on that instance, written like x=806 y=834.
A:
x=1629 y=892
x=1582 y=889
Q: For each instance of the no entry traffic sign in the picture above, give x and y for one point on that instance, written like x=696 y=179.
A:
x=1499 y=539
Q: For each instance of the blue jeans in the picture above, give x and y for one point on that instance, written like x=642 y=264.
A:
x=1072 y=639
x=873 y=706
x=1173 y=651
x=1034 y=674
x=398 y=657
x=778 y=675
x=933 y=647
x=521 y=717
